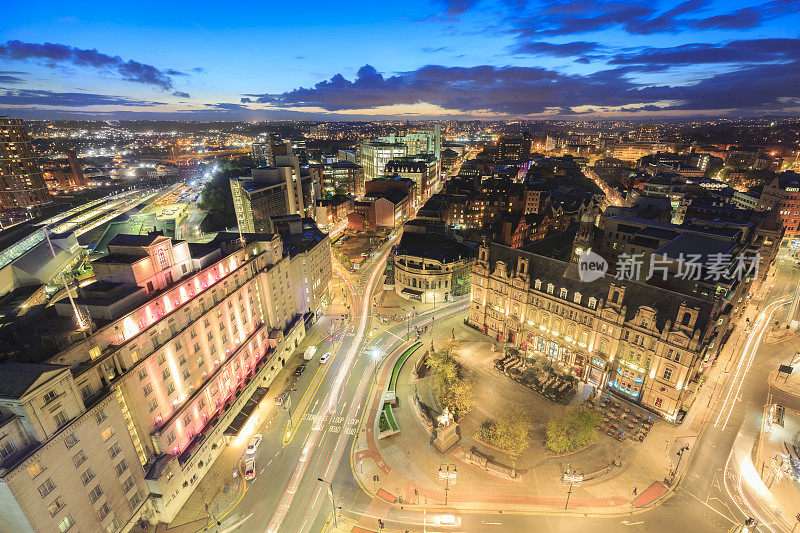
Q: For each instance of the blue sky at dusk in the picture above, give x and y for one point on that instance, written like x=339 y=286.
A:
x=457 y=59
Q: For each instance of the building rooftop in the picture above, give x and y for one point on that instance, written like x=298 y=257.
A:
x=126 y=239
x=447 y=249
x=19 y=378
x=550 y=270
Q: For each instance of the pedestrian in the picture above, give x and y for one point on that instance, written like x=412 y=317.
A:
x=635 y=490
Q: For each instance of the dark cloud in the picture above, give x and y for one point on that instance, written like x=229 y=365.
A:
x=566 y=17
x=574 y=48
x=458 y=7
x=533 y=90
x=736 y=52
x=173 y=72
x=228 y=107
x=181 y=94
x=54 y=55
x=198 y=69
x=9 y=79
x=29 y=97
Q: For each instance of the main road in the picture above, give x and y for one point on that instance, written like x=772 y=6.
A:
x=327 y=407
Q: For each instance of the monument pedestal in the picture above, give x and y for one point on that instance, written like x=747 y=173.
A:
x=446 y=437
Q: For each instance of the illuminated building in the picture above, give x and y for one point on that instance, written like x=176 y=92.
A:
x=374 y=156
x=143 y=405
x=261 y=152
x=422 y=170
x=643 y=342
x=428 y=273
x=343 y=177
x=21 y=180
x=282 y=189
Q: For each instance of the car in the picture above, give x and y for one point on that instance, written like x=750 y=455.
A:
x=253 y=444
x=446 y=520
x=299 y=370
x=325 y=357
x=282 y=398
x=250 y=468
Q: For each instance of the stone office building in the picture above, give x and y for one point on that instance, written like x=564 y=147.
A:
x=644 y=342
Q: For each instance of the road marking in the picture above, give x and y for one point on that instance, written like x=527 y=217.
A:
x=707 y=505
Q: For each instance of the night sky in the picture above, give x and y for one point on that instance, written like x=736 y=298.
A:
x=356 y=60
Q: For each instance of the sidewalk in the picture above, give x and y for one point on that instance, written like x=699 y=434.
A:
x=407 y=467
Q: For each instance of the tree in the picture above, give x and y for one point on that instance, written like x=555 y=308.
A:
x=217 y=200
x=509 y=432
x=452 y=391
x=571 y=430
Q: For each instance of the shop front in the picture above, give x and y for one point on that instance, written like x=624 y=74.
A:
x=596 y=371
x=627 y=379
x=567 y=357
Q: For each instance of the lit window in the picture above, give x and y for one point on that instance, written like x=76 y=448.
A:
x=35 y=469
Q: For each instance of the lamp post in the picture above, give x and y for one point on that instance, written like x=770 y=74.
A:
x=575 y=477
x=447 y=473
x=330 y=492
x=680 y=456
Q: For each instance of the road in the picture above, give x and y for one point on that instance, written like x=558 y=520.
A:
x=328 y=407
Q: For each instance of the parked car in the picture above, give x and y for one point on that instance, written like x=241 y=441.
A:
x=282 y=398
x=250 y=468
x=299 y=370
x=325 y=357
x=254 y=442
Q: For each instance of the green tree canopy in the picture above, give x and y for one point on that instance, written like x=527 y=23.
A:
x=572 y=429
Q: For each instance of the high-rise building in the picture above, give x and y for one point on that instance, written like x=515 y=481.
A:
x=343 y=177
x=21 y=180
x=647 y=132
x=282 y=189
x=61 y=174
x=375 y=154
x=423 y=170
x=124 y=422
x=261 y=152
x=419 y=142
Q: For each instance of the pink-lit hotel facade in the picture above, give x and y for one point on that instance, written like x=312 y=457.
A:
x=216 y=324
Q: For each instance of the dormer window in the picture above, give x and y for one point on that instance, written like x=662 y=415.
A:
x=550 y=288
x=592 y=303
x=577 y=298
x=563 y=293
x=538 y=284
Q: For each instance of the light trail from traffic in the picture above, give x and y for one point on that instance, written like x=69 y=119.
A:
x=748 y=353
x=311 y=442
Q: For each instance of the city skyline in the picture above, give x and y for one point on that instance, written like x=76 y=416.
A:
x=459 y=60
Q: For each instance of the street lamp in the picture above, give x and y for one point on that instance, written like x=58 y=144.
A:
x=680 y=456
x=447 y=473
x=330 y=492
x=575 y=477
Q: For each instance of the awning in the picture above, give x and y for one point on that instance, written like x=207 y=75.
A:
x=412 y=292
x=247 y=409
